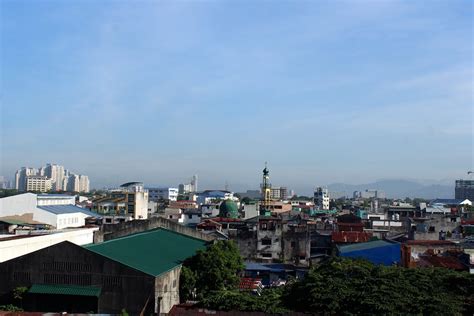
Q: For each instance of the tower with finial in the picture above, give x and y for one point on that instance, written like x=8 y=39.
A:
x=266 y=191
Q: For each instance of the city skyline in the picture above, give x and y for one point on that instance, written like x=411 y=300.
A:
x=327 y=92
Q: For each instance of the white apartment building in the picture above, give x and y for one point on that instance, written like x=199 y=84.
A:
x=38 y=184
x=157 y=194
x=321 y=198
x=56 y=174
x=20 y=177
x=76 y=183
x=61 y=179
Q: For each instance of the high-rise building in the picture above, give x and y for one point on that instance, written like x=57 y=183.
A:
x=21 y=175
x=191 y=187
x=84 y=183
x=38 y=184
x=60 y=179
x=321 y=198
x=464 y=189
x=56 y=174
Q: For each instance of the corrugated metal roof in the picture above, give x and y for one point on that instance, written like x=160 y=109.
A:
x=365 y=246
x=67 y=209
x=153 y=252
x=65 y=290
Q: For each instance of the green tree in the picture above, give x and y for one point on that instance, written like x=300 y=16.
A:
x=214 y=269
x=348 y=287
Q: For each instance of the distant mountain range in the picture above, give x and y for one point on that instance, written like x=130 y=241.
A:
x=398 y=189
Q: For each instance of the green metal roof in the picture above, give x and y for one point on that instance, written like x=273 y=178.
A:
x=65 y=290
x=364 y=245
x=152 y=252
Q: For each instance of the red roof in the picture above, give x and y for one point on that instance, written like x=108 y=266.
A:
x=226 y=219
x=350 y=237
x=249 y=283
x=441 y=262
x=430 y=243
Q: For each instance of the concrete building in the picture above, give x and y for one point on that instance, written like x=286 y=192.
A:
x=56 y=174
x=56 y=215
x=137 y=273
x=166 y=194
x=59 y=178
x=211 y=196
x=279 y=193
x=21 y=175
x=38 y=184
x=135 y=197
x=369 y=194
x=192 y=187
x=321 y=198
x=464 y=189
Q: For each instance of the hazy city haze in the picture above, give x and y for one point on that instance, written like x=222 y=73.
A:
x=158 y=91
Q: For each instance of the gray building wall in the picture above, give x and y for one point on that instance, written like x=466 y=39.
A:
x=69 y=264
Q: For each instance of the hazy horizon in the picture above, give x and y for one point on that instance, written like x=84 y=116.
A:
x=325 y=91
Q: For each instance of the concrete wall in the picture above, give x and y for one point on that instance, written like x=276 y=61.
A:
x=167 y=291
x=18 y=204
x=109 y=232
x=10 y=249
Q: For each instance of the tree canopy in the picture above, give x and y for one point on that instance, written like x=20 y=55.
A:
x=356 y=287
x=214 y=269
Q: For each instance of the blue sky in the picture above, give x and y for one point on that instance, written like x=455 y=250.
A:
x=325 y=91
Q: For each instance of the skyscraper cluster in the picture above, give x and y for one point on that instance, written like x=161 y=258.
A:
x=51 y=177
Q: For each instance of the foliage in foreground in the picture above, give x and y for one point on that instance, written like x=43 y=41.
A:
x=269 y=302
x=345 y=287
x=350 y=287
x=214 y=269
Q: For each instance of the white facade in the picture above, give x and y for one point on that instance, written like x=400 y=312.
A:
x=56 y=174
x=38 y=184
x=28 y=203
x=321 y=198
x=21 y=175
x=59 y=178
x=156 y=194
x=10 y=249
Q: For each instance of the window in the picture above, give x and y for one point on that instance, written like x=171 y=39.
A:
x=293 y=244
x=174 y=283
x=263 y=226
x=266 y=255
x=266 y=242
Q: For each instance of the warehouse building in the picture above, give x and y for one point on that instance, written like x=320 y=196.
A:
x=138 y=273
